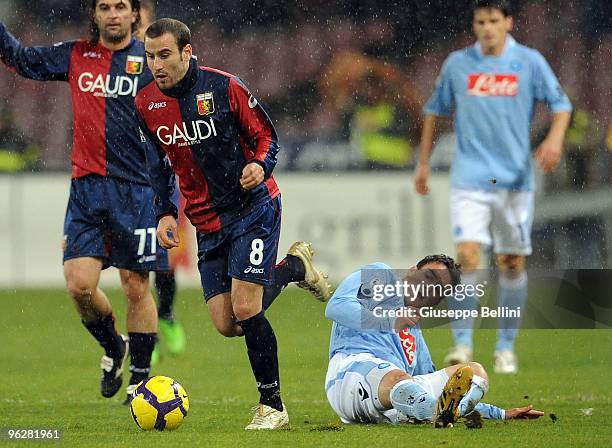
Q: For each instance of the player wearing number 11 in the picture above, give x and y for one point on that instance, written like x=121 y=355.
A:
x=219 y=140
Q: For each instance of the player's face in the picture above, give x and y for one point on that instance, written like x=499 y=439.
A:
x=114 y=19
x=167 y=63
x=490 y=27
x=432 y=274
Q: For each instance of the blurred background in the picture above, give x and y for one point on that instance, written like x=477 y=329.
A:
x=344 y=83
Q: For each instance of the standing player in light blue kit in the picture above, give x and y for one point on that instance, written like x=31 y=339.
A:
x=493 y=87
x=380 y=369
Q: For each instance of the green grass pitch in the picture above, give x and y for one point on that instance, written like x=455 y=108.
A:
x=49 y=379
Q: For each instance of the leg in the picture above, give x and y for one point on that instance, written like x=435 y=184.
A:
x=260 y=340
x=82 y=277
x=470 y=220
x=171 y=330
x=512 y=237
x=222 y=315
x=165 y=286
x=141 y=323
x=468 y=255
x=361 y=389
x=297 y=267
x=512 y=293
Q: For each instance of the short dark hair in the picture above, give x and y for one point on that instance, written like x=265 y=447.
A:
x=180 y=31
x=94 y=31
x=501 y=5
x=454 y=269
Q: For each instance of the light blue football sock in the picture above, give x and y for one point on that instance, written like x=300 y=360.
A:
x=463 y=328
x=511 y=294
x=479 y=387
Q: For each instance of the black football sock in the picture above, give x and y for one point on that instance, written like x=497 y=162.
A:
x=141 y=348
x=261 y=347
x=105 y=333
x=165 y=285
x=290 y=269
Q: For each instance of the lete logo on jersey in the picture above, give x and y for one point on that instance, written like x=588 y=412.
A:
x=206 y=103
x=408 y=345
x=491 y=84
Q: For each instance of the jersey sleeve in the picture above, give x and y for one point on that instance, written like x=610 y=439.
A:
x=352 y=304
x=161 y=176
x=257 y=131
x=441 y=101
x=38 y=63
x=547 y=87
x=490 y=412
x=349 y=311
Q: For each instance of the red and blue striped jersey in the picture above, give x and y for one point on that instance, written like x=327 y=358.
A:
x=104 y=83
x=209 y=127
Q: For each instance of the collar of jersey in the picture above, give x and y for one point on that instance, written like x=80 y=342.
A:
x=185 y=84
x=510 y=42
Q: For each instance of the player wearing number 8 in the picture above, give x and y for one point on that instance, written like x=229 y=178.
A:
x=211 y=132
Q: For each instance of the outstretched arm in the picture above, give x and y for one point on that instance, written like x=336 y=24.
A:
x=491 y=412
x=39 y=63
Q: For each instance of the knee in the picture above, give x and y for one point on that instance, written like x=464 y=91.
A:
x=468 y=255
x=478 y=369
x=136 y=286
x=510 y=266
x=245 y=309
x=395 y=376
x=79 y=289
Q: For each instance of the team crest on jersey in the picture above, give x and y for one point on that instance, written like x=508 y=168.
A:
x=134 y=65
x=206 y=103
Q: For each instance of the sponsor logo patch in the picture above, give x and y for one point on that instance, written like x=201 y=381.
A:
x=492 y=84
x=408 y=345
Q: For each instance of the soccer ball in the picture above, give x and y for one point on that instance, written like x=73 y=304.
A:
x=159 y=403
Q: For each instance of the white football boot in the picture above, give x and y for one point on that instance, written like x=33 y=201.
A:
x=267 y=417
x=314 y=281
x=459 y=354
x=505 y=362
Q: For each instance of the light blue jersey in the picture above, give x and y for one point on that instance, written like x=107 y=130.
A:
x=357 y=329
x=494 y=99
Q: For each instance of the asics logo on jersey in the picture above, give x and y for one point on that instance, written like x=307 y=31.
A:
x=252 y=102
x=157 y=105
x=253 y=270
x=186 y=134
x=107 y=85
x=491 y=84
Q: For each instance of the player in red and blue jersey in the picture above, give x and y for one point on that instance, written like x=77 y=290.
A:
x=109 y=220
x=219 y=140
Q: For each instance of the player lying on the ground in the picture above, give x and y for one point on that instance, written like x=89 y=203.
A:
x=380 y=369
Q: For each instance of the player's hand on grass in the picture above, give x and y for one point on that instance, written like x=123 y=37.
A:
x=548 y=154
x=252 y=175
x=526 y=412
x=421 y=177
x=167 y=232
